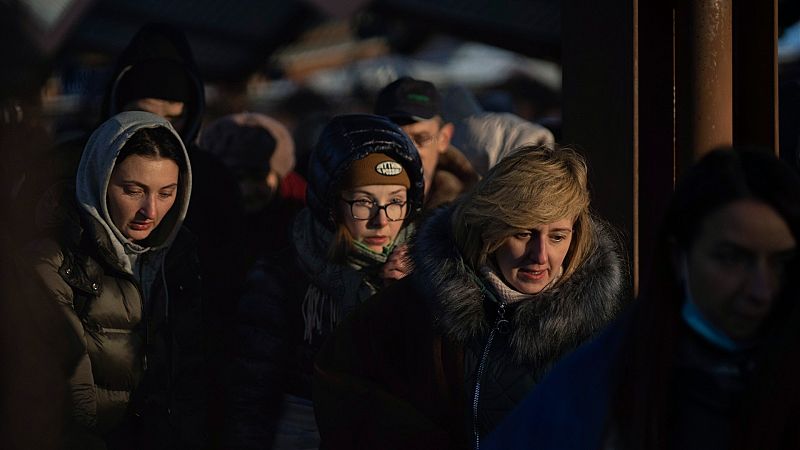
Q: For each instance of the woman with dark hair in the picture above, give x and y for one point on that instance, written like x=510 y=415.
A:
x=365 y=187
x=674 y=372
x=507 y=280
x=126 y=275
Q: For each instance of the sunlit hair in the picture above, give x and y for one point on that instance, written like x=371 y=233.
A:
x=532 y=186
x=342 y=242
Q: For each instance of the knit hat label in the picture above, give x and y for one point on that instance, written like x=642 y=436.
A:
x=375 y=169
x=389 y=168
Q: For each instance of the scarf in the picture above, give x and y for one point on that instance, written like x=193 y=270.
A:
x=334 y=289
x=506 y=293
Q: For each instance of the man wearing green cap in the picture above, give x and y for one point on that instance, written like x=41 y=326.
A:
x=414 y=105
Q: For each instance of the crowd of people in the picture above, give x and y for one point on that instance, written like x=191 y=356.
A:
x=429 y=279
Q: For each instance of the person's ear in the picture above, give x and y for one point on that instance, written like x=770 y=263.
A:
x=445 y=135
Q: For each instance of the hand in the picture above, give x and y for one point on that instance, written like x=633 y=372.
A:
x=397 y=265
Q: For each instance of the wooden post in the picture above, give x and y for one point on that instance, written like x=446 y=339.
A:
x=704 y=78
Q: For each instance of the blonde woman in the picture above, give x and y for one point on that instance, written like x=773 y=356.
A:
x=506 y=281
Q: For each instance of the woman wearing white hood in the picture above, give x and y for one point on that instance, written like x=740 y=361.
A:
x=126 y=274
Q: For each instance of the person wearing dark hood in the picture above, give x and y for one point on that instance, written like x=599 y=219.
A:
x=415 y=105
x=260 y=152
x=126 y=275
x=157 y=73
x=506 y=280
x=365 y=189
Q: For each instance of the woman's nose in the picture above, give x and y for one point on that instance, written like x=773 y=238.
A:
x=379 y=220
x=148 y=207
x=537 y=249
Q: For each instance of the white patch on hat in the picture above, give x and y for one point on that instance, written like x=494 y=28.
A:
x=389 y=168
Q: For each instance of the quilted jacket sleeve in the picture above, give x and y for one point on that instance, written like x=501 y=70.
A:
x=44 y=258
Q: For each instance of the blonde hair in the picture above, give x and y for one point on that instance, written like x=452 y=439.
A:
x=533 y=185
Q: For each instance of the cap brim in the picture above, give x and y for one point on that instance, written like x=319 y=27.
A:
x=403 y=116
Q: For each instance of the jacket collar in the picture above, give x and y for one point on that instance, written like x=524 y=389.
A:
x=543 y=328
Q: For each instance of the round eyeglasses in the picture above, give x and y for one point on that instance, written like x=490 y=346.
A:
x=366 y=209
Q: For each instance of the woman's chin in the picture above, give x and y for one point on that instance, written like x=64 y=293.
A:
x=376 y=244
x=137 y=236
x=375 y=248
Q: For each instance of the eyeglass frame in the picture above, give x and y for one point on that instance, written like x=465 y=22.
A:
x=376 y=208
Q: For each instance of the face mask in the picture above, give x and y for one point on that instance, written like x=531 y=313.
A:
x=695 y=318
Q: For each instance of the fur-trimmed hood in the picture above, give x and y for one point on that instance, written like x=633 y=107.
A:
x=544 y=328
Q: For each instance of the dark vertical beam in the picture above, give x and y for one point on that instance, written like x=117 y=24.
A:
x=755 y=73
x=656 y=124
x=598 y=106
x=704 y=77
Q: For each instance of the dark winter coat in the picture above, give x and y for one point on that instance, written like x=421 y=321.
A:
x=135 y=307
x=279 y=328
x=269 y=357
x=403 y=370
x=571 y=408
x=142 y=369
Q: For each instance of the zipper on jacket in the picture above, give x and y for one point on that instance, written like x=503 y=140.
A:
x=169 y=333
x=143 y=312
x=502 y=325
x=145 y=322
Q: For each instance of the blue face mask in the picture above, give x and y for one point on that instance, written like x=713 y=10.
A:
x=698 y=322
